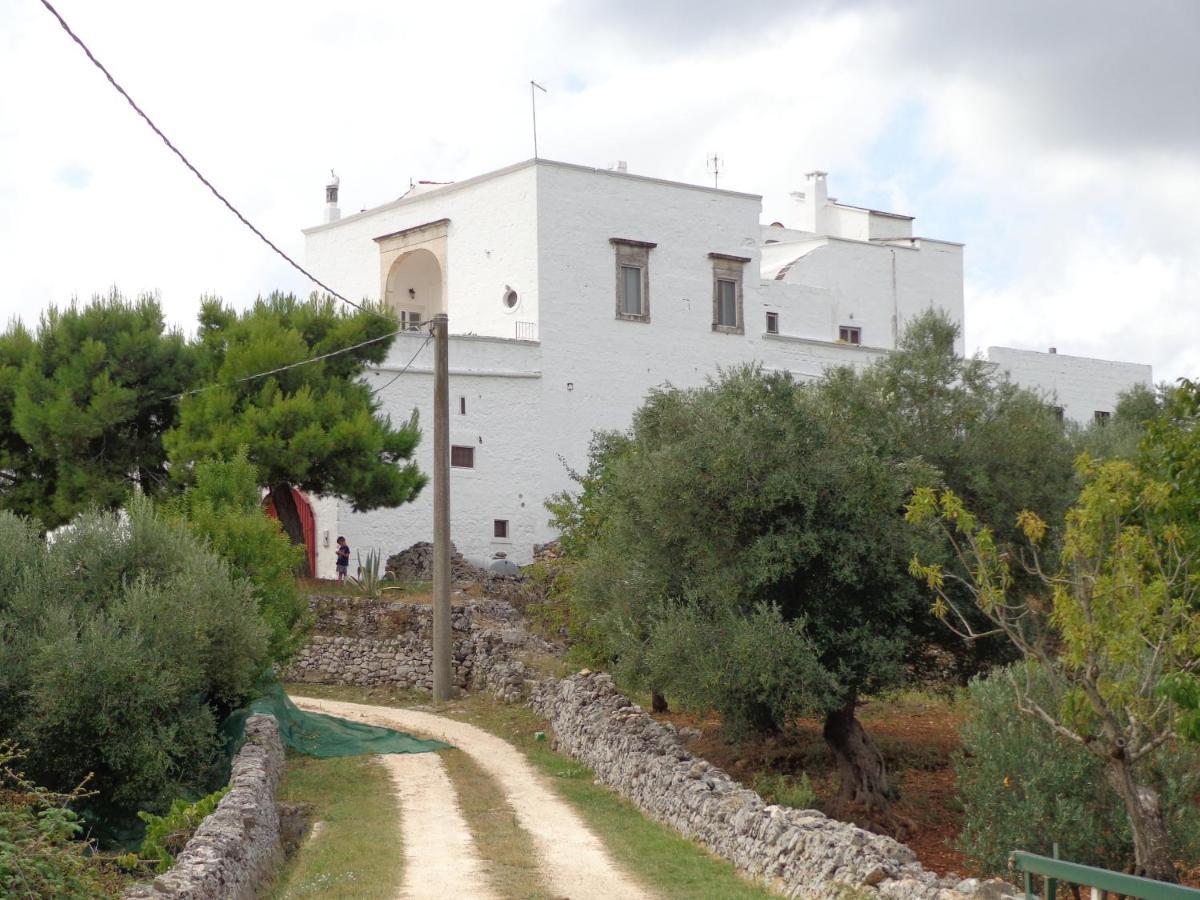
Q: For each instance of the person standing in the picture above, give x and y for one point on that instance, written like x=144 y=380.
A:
x=343 y=559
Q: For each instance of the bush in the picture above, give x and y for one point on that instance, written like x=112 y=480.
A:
x=1023 y=788
x=758 y=671
x=167 y=835
x=127 y=643
x=40 y=851
x=223 y=507
x=786 y=790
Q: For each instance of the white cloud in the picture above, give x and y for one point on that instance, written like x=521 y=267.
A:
x=1063 y=152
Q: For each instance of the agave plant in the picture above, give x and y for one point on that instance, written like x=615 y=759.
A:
x=370 y=574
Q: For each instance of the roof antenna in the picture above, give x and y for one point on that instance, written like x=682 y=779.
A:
x=713 y=164
x=533 y=103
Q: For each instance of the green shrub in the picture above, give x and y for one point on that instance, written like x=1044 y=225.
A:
x=168 y=834
x=41 y=854
x=223 y=507
x=127 y=642
x=759 y=671
x=1023 y=788
x=786 y=790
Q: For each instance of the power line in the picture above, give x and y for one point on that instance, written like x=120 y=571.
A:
x=208 y=184
x=295 y=365
x=407 y=366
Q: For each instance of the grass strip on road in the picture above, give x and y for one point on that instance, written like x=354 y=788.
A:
x=355 y=850
x=506 y=848
x=661 y=859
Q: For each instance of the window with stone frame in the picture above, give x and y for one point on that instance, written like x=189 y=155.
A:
x=633 y=278
x=727 y=293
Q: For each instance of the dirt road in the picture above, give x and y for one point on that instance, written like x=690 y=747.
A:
x=573 y=862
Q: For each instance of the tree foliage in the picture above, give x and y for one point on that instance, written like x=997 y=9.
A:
x=126 y=642
x=223 y=508
x=315 y=426
x=1064 y=799
x=84 y=402
x=742 y=549
x=1118 y=610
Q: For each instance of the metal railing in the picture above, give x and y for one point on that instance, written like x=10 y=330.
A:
x=1100 y=881
x=526 y=331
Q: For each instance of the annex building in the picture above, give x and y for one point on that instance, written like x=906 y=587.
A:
x=572 y=291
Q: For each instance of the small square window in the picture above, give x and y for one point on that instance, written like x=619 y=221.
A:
x=631 y=290
x=772 y=323
x=849 y=334
x=1102 y=416
x=500 y=528
x=462 y=457
x=410 y=320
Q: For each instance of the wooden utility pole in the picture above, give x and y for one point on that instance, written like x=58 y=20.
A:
x=443 y=672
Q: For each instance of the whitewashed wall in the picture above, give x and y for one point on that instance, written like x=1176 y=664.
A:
x=491 y=240
x=544 y=228
x=1080 y=385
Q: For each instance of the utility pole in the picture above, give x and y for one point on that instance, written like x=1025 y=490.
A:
x=443 y=673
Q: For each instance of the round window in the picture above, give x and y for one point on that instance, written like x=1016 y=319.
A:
x=511 y=299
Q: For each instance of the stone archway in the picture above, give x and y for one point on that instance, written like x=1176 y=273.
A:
x=413 y=287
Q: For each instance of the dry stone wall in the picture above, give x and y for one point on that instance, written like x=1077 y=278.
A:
x=375 y=642
x=236 y=850
x=799 y=853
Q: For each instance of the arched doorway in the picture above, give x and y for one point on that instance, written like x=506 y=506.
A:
x=414 y=287
x=308 y=525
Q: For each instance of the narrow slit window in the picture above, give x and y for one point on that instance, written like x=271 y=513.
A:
x=500 y=529
x=727 y=303
x=631 y=290
x=462 y=406
x=462 y=457
x=772 y=323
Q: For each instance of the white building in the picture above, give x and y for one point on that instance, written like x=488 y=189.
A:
x=572 y=291
x=1083 y=389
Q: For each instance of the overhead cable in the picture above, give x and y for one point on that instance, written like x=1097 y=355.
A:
x=407 y=366
x=208 y=184
x=303 y=362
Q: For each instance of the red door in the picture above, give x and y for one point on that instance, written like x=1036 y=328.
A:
x=308 y=525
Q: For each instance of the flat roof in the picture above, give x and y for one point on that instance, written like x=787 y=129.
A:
x=516 y=167
x=1056 y=354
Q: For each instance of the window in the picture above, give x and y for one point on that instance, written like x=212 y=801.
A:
x=726 y=302
x=631 y=290
x=633 y=278
x=1102 y=416
x=1059 y=413
x=511 y=298
x=727 y=292
x=772 y=323
x=410 y=320
x=849 y=334
x=500 y=529
x=462 y=457
x=462 y=406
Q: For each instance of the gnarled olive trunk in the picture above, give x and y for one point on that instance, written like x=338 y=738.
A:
x=1151 y=846
x=865 y=787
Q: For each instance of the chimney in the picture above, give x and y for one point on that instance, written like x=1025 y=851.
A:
x=332 y=213
x=812 y=201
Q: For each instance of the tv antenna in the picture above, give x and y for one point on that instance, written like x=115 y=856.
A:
x=713 y=164
x=534 y=87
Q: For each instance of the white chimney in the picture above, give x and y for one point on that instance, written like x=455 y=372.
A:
x=811 y=202
x=332 y=213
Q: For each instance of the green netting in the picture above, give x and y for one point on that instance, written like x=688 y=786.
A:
x=315 y=734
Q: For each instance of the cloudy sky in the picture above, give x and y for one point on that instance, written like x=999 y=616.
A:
x=1059 y=140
